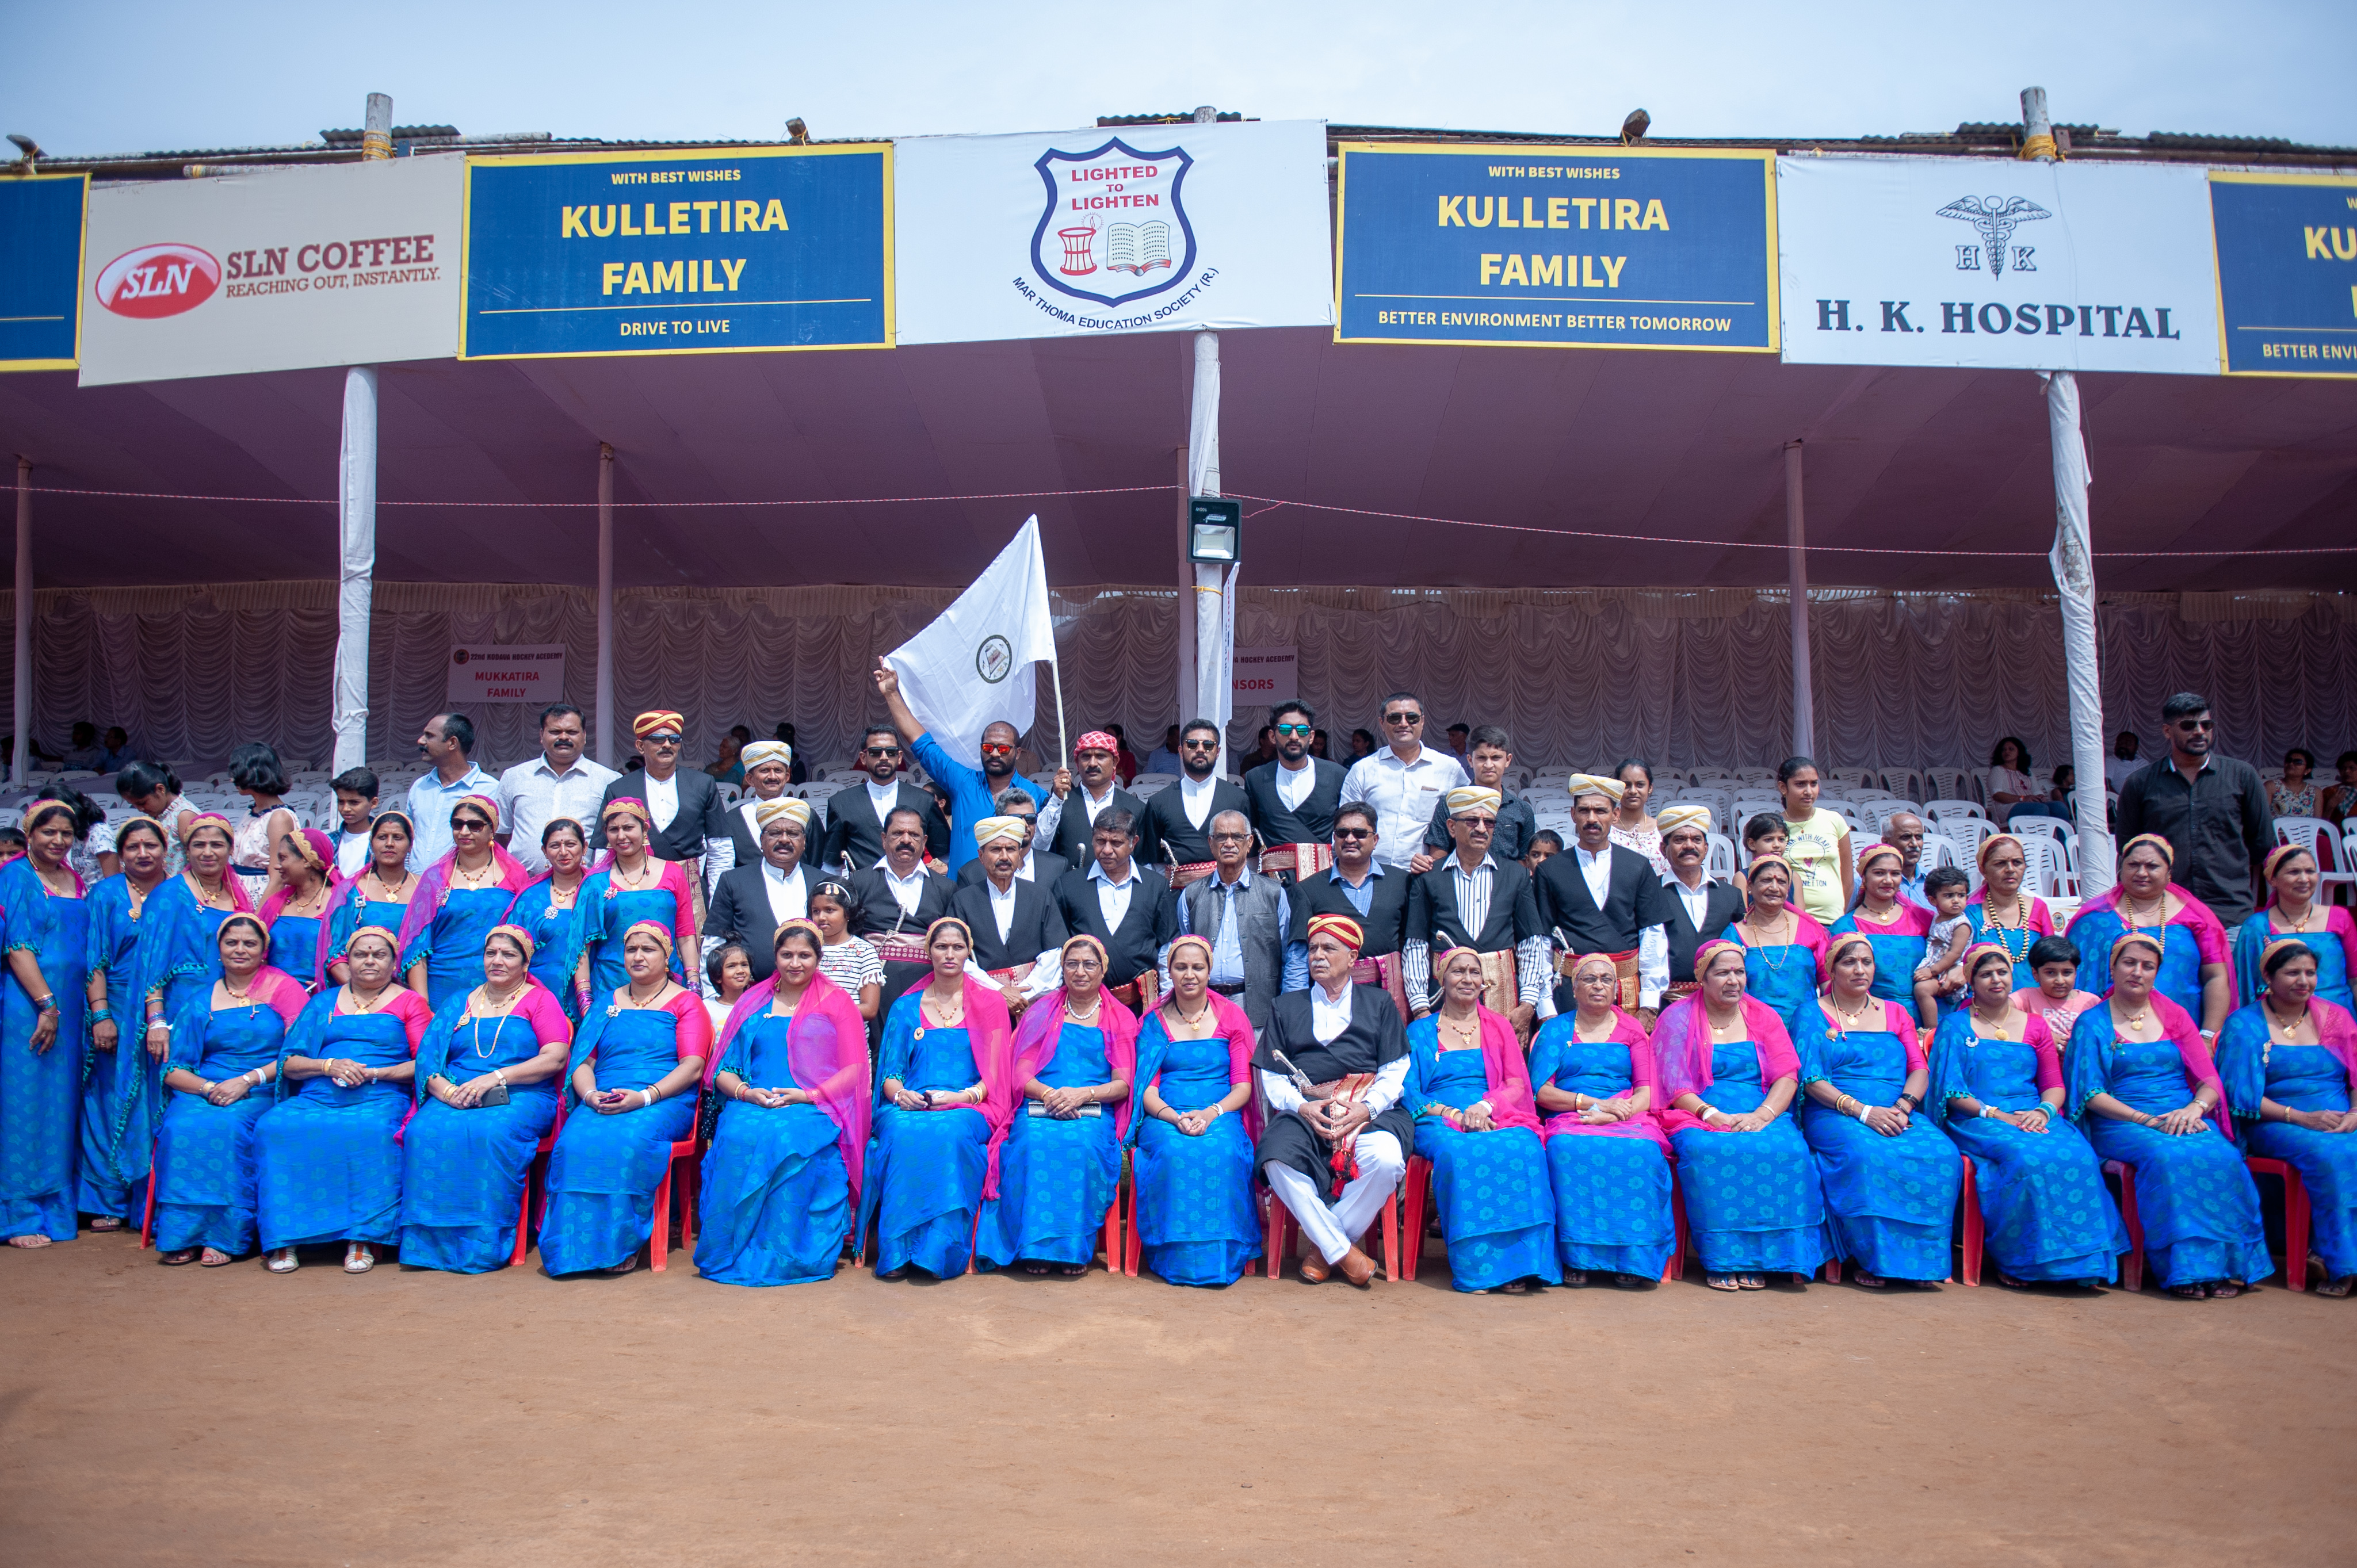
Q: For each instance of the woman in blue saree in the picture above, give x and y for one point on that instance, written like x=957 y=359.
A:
x=489 y=1090
x=1059 y=1168
x=632 y=1089
x=296 y=911
x=1477 y=1123
x=2002 y=913
x=178 y=960
x=1890 y=1179
x=549 y=911
x=629 y=887
x=2197 y=972
x=1608 y=1159
x=1754 y=1203
x=2144 y=1088
x=2290 y=1065
x=944 y=1098
x=111 y=960
x=1192 y=1123
x=1781 y=943
x=1898 y=929
x=43 y=1033
x=1996 y=1087
x=224 y=1055
x=781 y=1177
x=380 y=896
x=2291 y=910
x=458 y=900
x=326 y=1156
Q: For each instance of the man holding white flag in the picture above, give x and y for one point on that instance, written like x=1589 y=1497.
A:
x=961 y=692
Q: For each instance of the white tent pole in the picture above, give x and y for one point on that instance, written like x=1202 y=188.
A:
x=356 y=565
x=20 y=757
x=1214 y=683
x=1183 y=621
x=2074 y=578
x=604 y=703
x=1796 y=551
x=347 y=708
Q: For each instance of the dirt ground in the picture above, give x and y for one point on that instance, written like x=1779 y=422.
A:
x=152 y=1415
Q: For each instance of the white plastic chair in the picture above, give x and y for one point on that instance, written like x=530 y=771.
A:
x=1952 y=783
x=1746 y=806
x=1880 y=813
x=2046 y=876
x=1851 y=780
x=1943 y=808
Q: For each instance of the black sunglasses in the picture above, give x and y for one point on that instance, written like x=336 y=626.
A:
x=1403 y=718
x=1354 y=832
x=883 y=751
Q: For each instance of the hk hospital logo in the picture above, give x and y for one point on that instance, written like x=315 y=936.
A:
x=994 y=658
x=1115 y=228
x=1995 y=217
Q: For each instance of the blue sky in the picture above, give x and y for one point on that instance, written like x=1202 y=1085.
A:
x=112 y=78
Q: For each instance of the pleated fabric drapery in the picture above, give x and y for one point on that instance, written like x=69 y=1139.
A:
x=1682 y=677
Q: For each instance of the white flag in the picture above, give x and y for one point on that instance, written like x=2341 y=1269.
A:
x=971 y=668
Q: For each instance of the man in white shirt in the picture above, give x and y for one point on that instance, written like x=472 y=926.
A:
x=1599 y=897
x=1036 y=864
x=751 y=901
x=445 y=742
x=1177 y=826
x=1403 y=782
x=1333 y=1062
x=559 y=782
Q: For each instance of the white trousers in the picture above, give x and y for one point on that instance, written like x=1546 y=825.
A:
x=1334 y=1232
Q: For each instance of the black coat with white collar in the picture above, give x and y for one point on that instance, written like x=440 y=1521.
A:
x=1149 y=922
x=741 y=913
x=1037 y=926
x=1170 y=839
x=855 y=833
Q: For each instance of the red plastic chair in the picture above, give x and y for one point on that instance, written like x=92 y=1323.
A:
x=535 y=1169
x=1419 y=1199
x=1676 y=1269
x=1283 y=1230
x=2131 y=1266
x=688 y=1152
x=2296 y=1219
x=147 y=1220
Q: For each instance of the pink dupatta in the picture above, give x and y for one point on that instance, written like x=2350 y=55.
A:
x=434 y=890
x=1237 y=1030
x=830 y=1065
x=1043 y=1026
x=1643 y=1074
x=1682 y=1051
x=1511 y=1103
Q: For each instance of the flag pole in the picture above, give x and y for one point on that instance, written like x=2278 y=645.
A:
x=1063 y=746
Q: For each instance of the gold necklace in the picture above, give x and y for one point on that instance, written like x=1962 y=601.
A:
x=633 y=881
x=473 y=881
x=2300 y=924
x=563 y=898
x=206 y=900
x=2275 y=1021
x=497 y=1003
x=940 y=1016
x=238 y=998
x=362 y=1007
x=1197 y=1020
x=1850 y=1019
x=1718 y=1028
x=2133 y=1020
x=1465 y=1029
x=2130 y=914
x=1997 y=1024
x=2020 y=914
x=376 y=874
x=629 y=996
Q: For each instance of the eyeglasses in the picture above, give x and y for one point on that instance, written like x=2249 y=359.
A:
x=1354 y=832
x=1403 y=718
x=1478 y=822
x=883 y=751
x=1292 y=729
x=989 y=749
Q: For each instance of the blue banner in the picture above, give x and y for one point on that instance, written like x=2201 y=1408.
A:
x=2287 y=272
x=1561 y=246
x=40 y=271
x=708 y=252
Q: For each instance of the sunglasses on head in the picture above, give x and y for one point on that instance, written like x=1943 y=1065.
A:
x=1403 y=718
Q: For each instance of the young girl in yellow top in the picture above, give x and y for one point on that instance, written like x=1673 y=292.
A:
x=1815 y=843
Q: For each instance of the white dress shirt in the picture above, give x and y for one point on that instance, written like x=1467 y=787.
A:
x=906 y=890
x=1327 y=1019
x=1473 y=890
x=789 y=893
x=1403 y=795
x=1046 y=973
x=1112 y=898
x=1051 y=810
x=1194 y=799
x=534 y=794
x=430 y=800
x=662 y=799
x=1653 y=942
x=885 y=797
x=1294 y=784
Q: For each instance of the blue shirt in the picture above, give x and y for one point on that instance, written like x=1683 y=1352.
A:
x=1361 y=897
x=970 y=796
x=430 y=800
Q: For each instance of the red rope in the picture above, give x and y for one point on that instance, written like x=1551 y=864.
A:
x=852 y=500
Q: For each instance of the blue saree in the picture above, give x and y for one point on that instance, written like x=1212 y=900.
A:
x=450 y=943
x=112 y=951
x=1782 y=976
x=776 y=1199
x=1056 y=1177
x=1892 y=1199
x=294 y=944
x=1899 y=946
x=2302 y=1077
x=204 y=1154
x=2194 y=1196
x=925 y=1168
x=555 y=941
x=1610 y=1180
x=1496 y=1206
x=328 y=1159
x=1198 y=1222
x=41 y=1091
x=462 y=1171
x=1753 y=1201
x=2331 y=945
x=605 y=910
x=178 y=958
x=2046 y=1214
x=603 y=1174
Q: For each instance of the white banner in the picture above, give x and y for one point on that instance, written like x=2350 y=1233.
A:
x=1267 y=675
x=343 y=264
x=1120 y=228
x=971 y=666
x=1996 y=264
x=509 y=672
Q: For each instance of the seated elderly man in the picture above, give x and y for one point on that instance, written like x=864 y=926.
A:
x=1332 y=1063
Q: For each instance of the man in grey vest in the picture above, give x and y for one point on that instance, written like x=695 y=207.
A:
x=1247 y=917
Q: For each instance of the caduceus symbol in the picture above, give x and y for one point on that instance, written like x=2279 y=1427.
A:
x=1996 y=217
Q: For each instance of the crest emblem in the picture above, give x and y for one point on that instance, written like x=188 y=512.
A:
x=994 y=658
x=1996 y=217
x=1115 y=228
